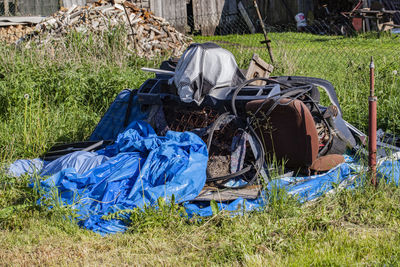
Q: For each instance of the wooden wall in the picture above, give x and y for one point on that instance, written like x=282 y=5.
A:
x=41 y=7
x=275 y=11
x=70 y=3
x=173 y=11
x=37 y=7
x=207 y=14
x=142 y=3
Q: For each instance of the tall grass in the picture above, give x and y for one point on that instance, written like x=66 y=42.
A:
x=57 y=93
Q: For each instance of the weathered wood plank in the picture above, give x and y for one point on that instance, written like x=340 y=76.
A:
x=37 y=7
x=156 y=7
x=70 y=3
x=6 y=8
x=207 y=15
x=175 y=12
x=246 y=18
x=182 y=16
x=196 y=15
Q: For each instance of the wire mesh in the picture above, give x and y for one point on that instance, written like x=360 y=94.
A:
x=28 y=7
x=324 y=46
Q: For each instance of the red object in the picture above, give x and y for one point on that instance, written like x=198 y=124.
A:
x=357 y=24
x=372 y=125
x=289 y=132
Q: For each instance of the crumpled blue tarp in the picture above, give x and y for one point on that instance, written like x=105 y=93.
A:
x=347 y=175
x=80 y=161
x=138 y=169
x=25 y=166
x=305 y=188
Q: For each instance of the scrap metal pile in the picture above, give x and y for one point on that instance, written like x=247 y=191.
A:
x=246 y=125
x=146 y=35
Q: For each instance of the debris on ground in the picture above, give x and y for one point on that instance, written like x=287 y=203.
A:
x=146 y=34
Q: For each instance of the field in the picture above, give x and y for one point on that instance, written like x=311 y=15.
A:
x=58 y=94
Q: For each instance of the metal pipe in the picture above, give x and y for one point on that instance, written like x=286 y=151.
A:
x=372 y=124
x=130 y=25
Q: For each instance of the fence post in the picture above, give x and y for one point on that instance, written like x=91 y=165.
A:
x=372 y=125
x=6 y=8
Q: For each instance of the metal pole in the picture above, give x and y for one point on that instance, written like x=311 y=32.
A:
x=372 y=124
x=130 y=24
x=267 y=41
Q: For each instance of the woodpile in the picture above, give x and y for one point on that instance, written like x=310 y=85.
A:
x=13 y=33
x=146 y=35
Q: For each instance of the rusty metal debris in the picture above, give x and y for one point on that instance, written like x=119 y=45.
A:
x=382 y=18
x=182 y=120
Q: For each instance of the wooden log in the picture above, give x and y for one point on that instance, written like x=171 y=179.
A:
x=246 y=18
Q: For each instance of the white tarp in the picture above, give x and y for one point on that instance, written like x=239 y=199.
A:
x=204 y=68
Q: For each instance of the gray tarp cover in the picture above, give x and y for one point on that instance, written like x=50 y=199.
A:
x=204 y=68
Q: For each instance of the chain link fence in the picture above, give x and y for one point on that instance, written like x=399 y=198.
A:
x=28 y=7
x=330 y=44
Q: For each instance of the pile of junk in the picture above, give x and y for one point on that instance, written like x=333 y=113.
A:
x=203 y=130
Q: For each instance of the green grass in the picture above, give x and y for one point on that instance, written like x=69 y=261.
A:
x=352 y=227
x=58 y=93
x=50 y=95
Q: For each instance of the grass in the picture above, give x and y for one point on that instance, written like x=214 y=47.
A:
x=352 y=227
x=58 y=93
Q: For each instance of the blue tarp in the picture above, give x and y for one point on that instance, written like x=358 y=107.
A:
x=138 y=169
x=141 y=167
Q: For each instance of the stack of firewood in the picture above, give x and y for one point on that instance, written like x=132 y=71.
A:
x=146 y=34
x=11 y=34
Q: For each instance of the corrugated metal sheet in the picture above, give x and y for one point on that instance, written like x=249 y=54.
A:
x=70 y=3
